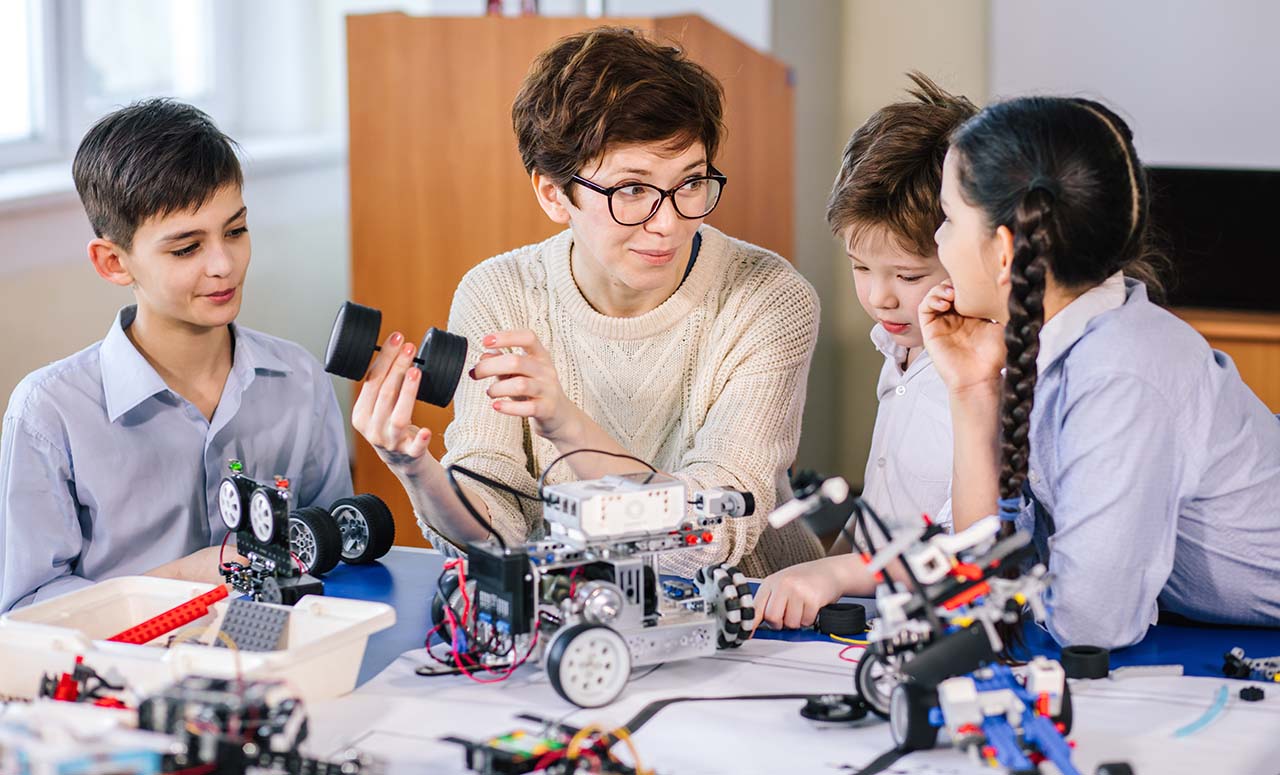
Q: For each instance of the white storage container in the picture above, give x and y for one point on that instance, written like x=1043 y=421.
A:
x=321 y=658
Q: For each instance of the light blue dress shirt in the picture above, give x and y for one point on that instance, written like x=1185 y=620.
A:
x=104 y=471
x=1154 y=477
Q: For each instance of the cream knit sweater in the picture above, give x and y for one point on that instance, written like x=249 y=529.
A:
x=709 y=386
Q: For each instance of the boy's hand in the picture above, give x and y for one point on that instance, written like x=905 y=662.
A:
x=527 y=385
x=383 y=411
x=967 y=352
x=791 y=597
x=200 y=566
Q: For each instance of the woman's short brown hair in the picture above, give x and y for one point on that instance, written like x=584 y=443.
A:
x=612 y=86
x=891 y=172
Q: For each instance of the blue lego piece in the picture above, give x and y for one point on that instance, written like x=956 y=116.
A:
x=1002 y=737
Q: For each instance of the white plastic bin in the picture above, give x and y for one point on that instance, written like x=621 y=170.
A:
x=321 y=659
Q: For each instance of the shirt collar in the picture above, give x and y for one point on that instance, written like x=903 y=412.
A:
x=885 y=344
x=128 y=379
x=1066 y=327
x=896 y=353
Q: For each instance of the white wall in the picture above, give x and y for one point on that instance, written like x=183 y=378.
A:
x=1195 y=78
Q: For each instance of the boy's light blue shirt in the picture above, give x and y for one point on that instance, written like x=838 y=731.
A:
x=1154 y=474
x=104 y=471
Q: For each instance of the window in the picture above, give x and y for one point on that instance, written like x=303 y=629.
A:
x=67 y=62
x=27 y=130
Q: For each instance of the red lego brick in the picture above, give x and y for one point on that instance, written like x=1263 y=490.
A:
x=172 y=619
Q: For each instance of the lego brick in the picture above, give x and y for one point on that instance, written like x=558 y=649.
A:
x=254 y=626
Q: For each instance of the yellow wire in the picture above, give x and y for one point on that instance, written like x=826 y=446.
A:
x=851 y=641
x=622 y=734
x=575 y=744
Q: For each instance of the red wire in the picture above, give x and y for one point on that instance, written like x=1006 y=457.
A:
x=297 y=562
x=844 y=650
x=548 y=758
x=573 y=585
x=458 y=658
x=223 y=548
x=462 y=586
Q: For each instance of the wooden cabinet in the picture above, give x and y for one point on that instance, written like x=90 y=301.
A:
x=1252 y=339
x=437 y=184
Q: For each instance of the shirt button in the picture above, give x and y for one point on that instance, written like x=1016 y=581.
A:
x=1034 y=477
x=880 y=462
x=901 y=390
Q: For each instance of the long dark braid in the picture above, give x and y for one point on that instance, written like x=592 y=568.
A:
x=1032 y=246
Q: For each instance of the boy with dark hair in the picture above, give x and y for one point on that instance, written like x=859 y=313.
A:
x=885 y=207
x=111 y=458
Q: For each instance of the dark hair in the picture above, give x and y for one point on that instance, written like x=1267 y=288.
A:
x=611 y=86
x=149 y=159
x=891 y=170
x=1063 y=176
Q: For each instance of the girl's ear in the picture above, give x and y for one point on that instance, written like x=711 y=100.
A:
x=1002 y=247
x=551 y=197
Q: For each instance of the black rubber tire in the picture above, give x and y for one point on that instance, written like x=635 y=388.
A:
x=909 y=717
x=442 y=357
x=379 y=525
x=1066 y=716
x=558 y=652
x=352 y=340
x=325 y=537
x=1114 y=768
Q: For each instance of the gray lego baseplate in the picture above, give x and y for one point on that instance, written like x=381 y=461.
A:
x=254 y=626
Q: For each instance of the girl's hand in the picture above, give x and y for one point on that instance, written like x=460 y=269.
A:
x=967 y=352
x=527 y=385
x=383 y=411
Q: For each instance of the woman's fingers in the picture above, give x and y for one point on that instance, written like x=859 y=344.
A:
x=523 y=338
x=402 y=412
x=363 y=406
x=388 y=394
x=518 y=388
x=528 y=408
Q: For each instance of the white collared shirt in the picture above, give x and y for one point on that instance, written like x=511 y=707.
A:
x=909 y=469
x=1063 y=329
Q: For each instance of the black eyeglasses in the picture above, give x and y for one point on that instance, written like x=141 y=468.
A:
x=631 y=204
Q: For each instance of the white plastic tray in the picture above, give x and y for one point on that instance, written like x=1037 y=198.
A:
x=321 y=659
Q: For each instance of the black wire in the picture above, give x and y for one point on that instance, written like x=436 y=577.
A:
x=932 y=615
x=542 y=480
x=649 y=711
x=484 y=523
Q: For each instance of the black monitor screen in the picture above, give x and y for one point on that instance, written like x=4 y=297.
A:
x=1217 y=228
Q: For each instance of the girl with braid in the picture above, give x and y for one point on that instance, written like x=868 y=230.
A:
x=1147 y=472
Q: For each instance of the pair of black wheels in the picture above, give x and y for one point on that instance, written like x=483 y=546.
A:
x=354 y=339
x=356 y=530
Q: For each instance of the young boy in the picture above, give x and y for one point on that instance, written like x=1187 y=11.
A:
x=110 y=459
x=885 y=208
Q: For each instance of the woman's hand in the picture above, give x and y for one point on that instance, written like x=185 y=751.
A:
x=526 y=385
x=383 y=412
x=967 y=352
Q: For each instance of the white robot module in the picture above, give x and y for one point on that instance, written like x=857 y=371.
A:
x=588 y=601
